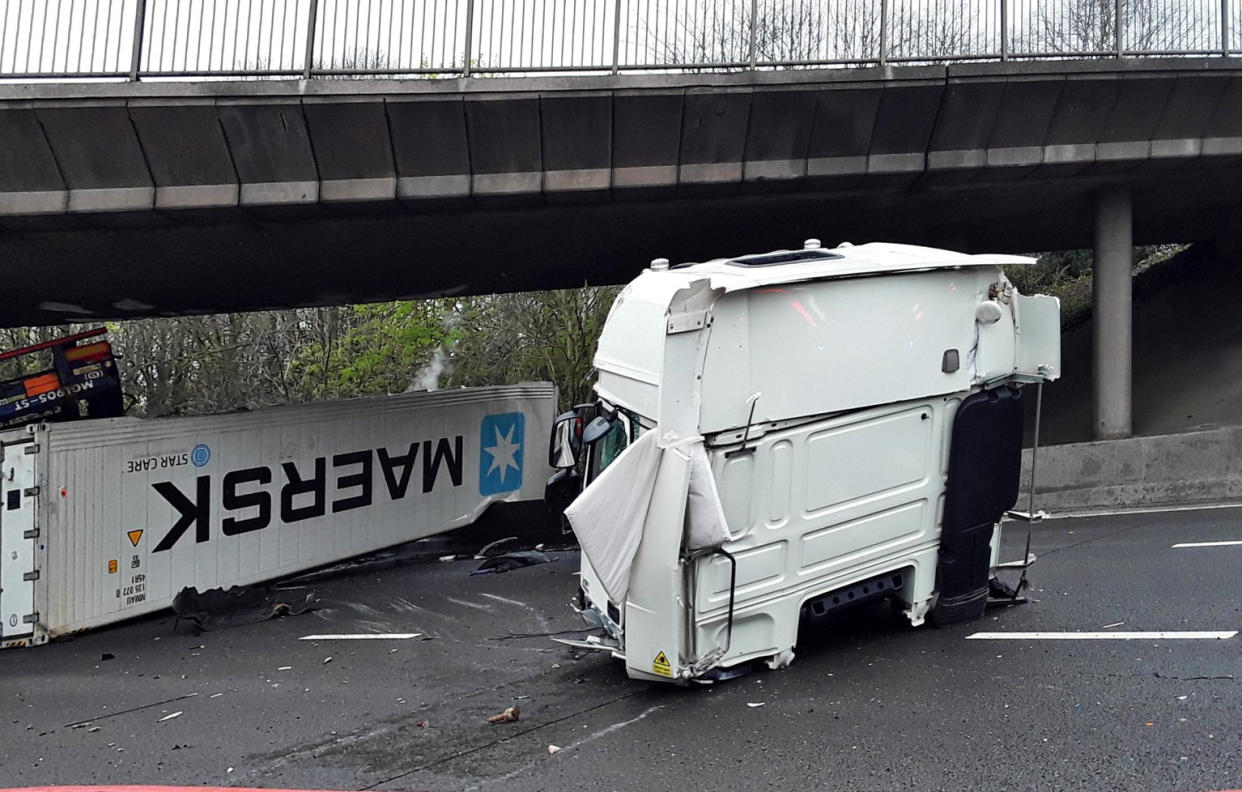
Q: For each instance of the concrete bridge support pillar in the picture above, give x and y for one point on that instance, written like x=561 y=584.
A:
x=1111 y=294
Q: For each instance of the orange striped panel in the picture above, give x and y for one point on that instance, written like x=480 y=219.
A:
x=42 y=384
x=89 y=350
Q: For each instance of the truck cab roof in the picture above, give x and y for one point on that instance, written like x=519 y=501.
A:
x=845 y=261
x=815 y=330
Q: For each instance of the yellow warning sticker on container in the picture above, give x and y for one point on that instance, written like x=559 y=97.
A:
x=134 y=536
x=112 y=567
x=661 y=665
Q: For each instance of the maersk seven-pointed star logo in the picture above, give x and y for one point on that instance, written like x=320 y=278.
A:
x=500 y=458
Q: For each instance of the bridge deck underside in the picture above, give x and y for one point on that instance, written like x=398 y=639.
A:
x=129 y=200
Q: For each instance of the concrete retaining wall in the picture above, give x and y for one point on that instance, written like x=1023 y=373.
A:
x=1196 y=467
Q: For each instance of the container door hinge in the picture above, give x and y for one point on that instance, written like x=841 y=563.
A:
x=31 y=492
x=33 y=448
x=33 y=533
x=31 y=575
x=31 y=618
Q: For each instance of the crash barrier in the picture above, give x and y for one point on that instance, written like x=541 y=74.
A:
x=1190 y=468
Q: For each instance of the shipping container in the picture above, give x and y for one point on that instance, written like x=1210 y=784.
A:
x=109 y=519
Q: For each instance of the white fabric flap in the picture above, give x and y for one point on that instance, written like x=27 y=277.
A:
x=705 y=518
x=608 y=516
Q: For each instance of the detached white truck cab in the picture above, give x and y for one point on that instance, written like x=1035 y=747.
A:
x=780 y=435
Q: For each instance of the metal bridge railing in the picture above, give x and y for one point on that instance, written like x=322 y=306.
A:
x=217 y=39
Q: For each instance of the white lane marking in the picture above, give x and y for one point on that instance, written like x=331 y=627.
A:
x=360 y=637
x=1229 y=543
x=1100 y=636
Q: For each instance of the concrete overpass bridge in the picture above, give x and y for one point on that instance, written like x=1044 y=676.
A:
x=161 y=189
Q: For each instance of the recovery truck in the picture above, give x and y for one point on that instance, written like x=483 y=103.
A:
x=81 y=382
x=778 y=436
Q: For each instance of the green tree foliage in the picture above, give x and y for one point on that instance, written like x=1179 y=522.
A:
x=225 y=362
x=531 y=336
x=364 y=350
x=1066 y=274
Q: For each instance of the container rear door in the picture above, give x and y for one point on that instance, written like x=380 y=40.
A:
x=17 y=540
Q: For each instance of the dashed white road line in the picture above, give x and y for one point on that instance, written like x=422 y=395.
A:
x=361 y=637
x=1112 y=635
x=1230 y=543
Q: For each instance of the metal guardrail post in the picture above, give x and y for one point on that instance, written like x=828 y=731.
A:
x=753 y=56
x=465 y=67
x=883 y=31
x=616 y=36
x=312 y=23
x=1004 y=29
x=1117 y=27
x=140 y=19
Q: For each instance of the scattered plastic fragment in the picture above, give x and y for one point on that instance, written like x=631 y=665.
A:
x=1114 y=624
x=510 y=714
x=94 y=729
x=285 y=668
x=755 y=704
x=508 y=561
x=448 y=558
x=554 y=749
x=484 y=551
x=170 y=716
x=1182 y=698
x=421 y=724
x=327 y=659
x=106 y=656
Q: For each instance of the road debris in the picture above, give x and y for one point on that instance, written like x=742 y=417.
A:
x=554 y=749
x=508 y=561
x=106 y=656
x=237 y=605
x=422 y=724
x=170 y=716
x=327 y=659
x=755 y=704
x=1114 y=624
x=510 y=714
x=485 y=551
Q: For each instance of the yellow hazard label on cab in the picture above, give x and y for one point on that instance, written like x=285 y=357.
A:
x=661 y=665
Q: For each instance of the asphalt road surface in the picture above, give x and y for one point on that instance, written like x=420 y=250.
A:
x=869 y=703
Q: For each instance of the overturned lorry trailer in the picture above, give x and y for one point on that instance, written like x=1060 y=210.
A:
x=109 y=519
x=780 y=435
